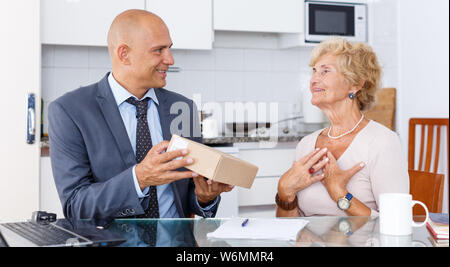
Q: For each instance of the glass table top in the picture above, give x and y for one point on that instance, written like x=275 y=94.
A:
x=320 y=231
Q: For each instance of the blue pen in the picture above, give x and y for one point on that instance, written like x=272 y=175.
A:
x=245 y=223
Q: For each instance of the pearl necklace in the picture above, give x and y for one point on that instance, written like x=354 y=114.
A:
x=344 y=134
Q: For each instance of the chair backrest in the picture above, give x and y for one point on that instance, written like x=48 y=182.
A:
x=428 y=188
x=426 y=143
x=383 y=111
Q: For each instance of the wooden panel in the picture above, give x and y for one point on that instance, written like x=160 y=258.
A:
x=428 y=188
x=383 y=110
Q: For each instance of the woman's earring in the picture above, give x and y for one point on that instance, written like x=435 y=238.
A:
x=352 y=96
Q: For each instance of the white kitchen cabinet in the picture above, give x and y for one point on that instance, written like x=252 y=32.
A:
x=189 y=22
x=263 y=192
x=277 y=16
x=272 y=163
x=81 y=22
x=20 y=75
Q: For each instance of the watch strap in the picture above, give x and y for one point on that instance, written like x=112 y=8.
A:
x=349 y=196
x=286 y=205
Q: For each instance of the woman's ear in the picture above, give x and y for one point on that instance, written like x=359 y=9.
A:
x=356 y=88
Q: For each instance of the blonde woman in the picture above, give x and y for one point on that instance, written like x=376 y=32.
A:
x=341 y=170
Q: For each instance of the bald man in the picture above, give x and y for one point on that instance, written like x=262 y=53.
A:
x=107 y=140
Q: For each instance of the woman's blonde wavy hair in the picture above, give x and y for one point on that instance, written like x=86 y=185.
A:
x=357 y=62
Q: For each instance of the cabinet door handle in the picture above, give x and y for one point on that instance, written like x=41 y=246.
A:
x=31 y=119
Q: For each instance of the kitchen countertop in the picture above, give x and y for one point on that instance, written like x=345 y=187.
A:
x=244 y=139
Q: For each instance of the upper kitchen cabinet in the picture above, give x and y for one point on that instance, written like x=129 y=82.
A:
x=189 y=22
x=81 y=22
x=276 y=16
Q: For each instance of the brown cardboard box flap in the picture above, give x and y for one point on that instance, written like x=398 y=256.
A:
x=215 y=164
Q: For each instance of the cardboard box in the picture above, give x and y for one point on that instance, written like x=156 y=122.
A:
x=214 y=164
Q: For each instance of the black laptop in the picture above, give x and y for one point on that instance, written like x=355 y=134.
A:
x=62 y=233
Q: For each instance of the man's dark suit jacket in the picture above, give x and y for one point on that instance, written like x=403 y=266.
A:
x=92 y=157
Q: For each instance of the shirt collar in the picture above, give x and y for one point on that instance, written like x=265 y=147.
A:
x=121 y=94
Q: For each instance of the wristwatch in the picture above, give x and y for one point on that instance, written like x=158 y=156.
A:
x=344 y=202
x=345 y=227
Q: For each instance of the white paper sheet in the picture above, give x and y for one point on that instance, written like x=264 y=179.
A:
x=259 y=228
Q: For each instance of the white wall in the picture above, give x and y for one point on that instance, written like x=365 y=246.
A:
x=423 y=54
x=383 y=38
x=241 y=67
x=242 y=73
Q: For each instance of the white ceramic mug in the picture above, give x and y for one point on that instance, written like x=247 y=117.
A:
x=396 y=214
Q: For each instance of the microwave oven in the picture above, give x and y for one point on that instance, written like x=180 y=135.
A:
x=326 y=19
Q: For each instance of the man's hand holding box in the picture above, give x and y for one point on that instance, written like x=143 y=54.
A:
x=214 y=164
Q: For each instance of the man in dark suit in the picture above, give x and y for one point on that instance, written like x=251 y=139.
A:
x=107 y=140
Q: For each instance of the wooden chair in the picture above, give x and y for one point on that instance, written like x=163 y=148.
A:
x=428 y=188
x=431 y=124
x=383 y=111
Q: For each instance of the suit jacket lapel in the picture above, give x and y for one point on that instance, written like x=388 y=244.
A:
x=112 y=116
x=164 y=113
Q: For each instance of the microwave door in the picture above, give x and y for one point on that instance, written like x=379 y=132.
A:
x=325 y=20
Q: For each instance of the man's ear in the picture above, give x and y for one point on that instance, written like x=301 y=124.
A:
x=123 y=54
